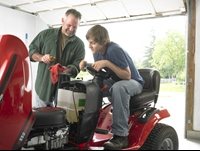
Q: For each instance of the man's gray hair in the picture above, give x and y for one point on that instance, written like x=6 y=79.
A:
x=74 y=12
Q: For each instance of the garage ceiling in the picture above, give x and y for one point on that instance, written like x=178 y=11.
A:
x=98 y=11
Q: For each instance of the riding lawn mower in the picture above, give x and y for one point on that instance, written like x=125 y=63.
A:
x=82 y=118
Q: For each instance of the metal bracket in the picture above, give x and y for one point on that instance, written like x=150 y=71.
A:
x=189 y=79
x=1 y=98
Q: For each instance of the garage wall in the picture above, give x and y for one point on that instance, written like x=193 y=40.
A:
x=196 y=125
x=24 y=26
x=19 y=24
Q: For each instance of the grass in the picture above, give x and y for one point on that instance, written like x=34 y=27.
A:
x=171 y=87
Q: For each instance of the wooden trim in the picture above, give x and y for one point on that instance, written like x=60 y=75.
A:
x=190 y=64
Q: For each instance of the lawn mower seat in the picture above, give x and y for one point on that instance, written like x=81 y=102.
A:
x=150 y=89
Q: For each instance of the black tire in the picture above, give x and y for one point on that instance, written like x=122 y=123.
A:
x=162 y=137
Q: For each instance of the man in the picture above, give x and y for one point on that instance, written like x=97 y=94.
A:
x=125 y=82
x=56 y=46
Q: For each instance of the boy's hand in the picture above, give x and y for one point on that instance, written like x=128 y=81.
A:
x=98 y=65
x=82 y=65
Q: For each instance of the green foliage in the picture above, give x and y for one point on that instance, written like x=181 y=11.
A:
x=169 y=54
x=148 y=52
x=138 y=63
x=181 y=77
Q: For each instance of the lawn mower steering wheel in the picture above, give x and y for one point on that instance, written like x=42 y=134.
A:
x=105 y=73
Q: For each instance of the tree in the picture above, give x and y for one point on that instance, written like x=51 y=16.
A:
x=169 y=54
x=149 y=50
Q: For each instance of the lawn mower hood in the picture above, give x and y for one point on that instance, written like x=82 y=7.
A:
x=16 y=117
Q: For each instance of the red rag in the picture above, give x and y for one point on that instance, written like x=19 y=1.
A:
x=55 y=69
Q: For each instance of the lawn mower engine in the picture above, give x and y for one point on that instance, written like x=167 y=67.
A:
x=49 y=130
x=63 y=127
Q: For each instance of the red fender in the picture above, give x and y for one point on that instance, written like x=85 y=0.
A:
x=139 y=132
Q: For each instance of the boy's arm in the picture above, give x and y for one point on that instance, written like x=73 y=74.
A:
x=124 y=74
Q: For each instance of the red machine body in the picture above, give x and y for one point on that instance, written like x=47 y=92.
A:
x=16 y=117
x=138 y=132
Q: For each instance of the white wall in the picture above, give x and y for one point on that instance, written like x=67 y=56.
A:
x=196 y=125
x=19 y=24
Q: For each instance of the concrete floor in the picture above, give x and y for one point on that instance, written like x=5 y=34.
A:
x=175 y=104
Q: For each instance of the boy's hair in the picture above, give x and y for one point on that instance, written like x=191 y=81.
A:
x=74 y=12
x=98 y=33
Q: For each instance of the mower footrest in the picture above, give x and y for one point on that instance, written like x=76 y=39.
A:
x=101 y=131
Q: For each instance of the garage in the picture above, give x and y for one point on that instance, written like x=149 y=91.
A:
x=26 y=18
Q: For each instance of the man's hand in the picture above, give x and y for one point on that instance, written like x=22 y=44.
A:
x=46 y=58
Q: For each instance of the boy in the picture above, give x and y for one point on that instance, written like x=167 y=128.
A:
x=125 y=83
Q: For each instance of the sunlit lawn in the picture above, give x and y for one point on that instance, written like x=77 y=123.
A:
x=171 y=87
